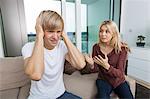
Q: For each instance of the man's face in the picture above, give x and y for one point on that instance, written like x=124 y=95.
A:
x=51 y=37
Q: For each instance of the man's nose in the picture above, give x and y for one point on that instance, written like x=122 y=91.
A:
x=55 y=35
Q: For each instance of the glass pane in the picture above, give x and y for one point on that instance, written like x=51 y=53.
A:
x=70 y=23
x=96 y=12
x=70 y=20
x=84 y=34
x=32 y=10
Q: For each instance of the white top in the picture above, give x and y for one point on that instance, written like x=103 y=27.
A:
x=51 y=85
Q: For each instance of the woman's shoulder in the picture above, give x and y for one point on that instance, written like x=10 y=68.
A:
x=125 y=47
x=96 y=45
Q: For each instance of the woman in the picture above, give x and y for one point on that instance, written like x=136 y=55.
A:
x=110 y=55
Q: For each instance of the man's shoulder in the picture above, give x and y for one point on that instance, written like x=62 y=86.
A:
x=61 y=43
x=62 y=46
x=28 y=45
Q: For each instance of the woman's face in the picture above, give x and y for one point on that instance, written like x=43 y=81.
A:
x=105 y=35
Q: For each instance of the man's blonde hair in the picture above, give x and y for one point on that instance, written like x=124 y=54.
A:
x=51 y=20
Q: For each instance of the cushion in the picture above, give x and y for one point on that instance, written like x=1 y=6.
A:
x=24 y=91
x=9 y=94
x=132 y=84
x=12 y=73
x=81 y=85
x=87 y=69
x=68 y=68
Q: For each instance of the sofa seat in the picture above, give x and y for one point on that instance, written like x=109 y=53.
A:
x=81 y=85
x=85 y=85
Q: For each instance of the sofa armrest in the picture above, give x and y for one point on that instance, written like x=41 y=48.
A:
x=132 y=84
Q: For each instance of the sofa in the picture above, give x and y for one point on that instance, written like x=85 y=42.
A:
x=85 y=85
x=14 y=84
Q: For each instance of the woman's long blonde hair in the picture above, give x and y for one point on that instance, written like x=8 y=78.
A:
x=116 y=39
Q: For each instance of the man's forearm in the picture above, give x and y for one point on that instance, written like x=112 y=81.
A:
x=35 y=66
x=75 y=55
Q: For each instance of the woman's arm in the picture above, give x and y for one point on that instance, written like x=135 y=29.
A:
x=110 y=70
x=121 y=65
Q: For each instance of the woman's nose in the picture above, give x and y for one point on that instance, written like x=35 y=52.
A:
x=103 y=33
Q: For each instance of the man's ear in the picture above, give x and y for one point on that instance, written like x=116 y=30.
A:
x=44 y=34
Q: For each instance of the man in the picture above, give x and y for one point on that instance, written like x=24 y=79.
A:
x=44 y=58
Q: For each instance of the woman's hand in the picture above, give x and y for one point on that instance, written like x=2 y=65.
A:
x=101 y=61
x=38 y=27
x=89 y=59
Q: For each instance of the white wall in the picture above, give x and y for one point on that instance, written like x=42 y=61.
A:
x=148 y=26
x=135 y=20
x=31 y=14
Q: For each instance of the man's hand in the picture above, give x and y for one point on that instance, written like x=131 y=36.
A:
x=101 y=61
x=63 y=35
x=38 y=27
x=74 y=56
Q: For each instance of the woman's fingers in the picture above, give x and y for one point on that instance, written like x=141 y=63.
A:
x=97 y=60
x=101 y=61
x=89 y=59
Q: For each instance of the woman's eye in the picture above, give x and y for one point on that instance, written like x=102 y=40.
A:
x=107 y=31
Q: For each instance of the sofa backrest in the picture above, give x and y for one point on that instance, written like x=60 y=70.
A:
x=12 y=76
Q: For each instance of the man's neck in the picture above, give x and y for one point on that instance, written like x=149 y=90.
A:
x=48 y=47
